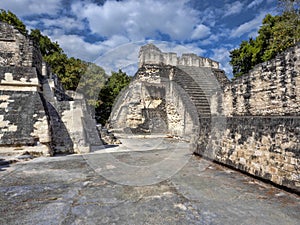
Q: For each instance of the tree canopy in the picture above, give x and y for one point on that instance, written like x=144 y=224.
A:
x=69 y=70
x=91 y=83
x=276 y=34
x=113 y=86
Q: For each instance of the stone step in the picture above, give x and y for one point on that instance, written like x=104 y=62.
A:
x=198 y=95
x=189 y=79
x=204 y=114
x=201 y=105
x=198 y=99
x=20 y=152
x=201 y=92
x=195 y=91
x=202 y=76
x=202 y=109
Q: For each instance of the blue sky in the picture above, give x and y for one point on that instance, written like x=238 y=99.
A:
x=110 y=32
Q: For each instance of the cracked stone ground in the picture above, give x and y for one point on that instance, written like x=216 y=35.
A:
x=139 y=182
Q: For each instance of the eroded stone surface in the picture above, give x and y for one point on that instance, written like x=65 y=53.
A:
x=251 y=123
x=34 y=108
x=66 y=190
x=261 y=131
x=150 y=54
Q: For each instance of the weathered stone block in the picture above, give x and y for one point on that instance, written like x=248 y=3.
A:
x=27 y=118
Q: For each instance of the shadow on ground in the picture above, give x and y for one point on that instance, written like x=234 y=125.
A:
x=4 y=164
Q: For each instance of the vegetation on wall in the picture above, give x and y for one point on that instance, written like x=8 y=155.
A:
x=13 y=20
x=276 y=34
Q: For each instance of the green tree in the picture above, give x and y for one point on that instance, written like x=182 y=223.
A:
x=108 y=94
x=266 y=38
x=66 y=69
x=69 y=70
x=242 y=58
x=73 y=70
x=91 y=82
x=290 y=23
x=13 y=20
x=276 y=34
x=289 y=5
x=47 y=47
x=117 y=81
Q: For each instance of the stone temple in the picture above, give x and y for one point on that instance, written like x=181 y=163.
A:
x=35 y=110
x=251 y=123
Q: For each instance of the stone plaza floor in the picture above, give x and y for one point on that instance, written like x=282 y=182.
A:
x=143 y=181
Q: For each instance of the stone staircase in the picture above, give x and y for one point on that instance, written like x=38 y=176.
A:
x=196 y=93
x=201 y=84
x=204 y=77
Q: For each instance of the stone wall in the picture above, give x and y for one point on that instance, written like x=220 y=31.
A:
x=17 y=49
x=261 y=134
x=267 y=147
x=150 y=54
x=271 y=88
x=34 y=108
x=251 y=123
x=154 y=103
x=23 y=119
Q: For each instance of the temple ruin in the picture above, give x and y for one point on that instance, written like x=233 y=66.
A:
x=251 y=123
x=35 y=110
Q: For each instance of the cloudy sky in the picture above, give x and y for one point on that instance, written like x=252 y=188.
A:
x=109 y=32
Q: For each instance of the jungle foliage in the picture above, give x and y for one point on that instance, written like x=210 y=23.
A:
x=276 y=34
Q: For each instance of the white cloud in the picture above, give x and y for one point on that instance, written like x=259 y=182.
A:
x=123 y=57
x=233 y=8
x=200 y=32
x=221 y=55
x=139 y=19
x=209 y=16
x=32 y=24
x=222 y=33
x=66 y=23
x=127 y=21
x=31 y=7
x=211 y=39
x=254 y=3
x=253 y=34
x=248 y=27
x=76 y=46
